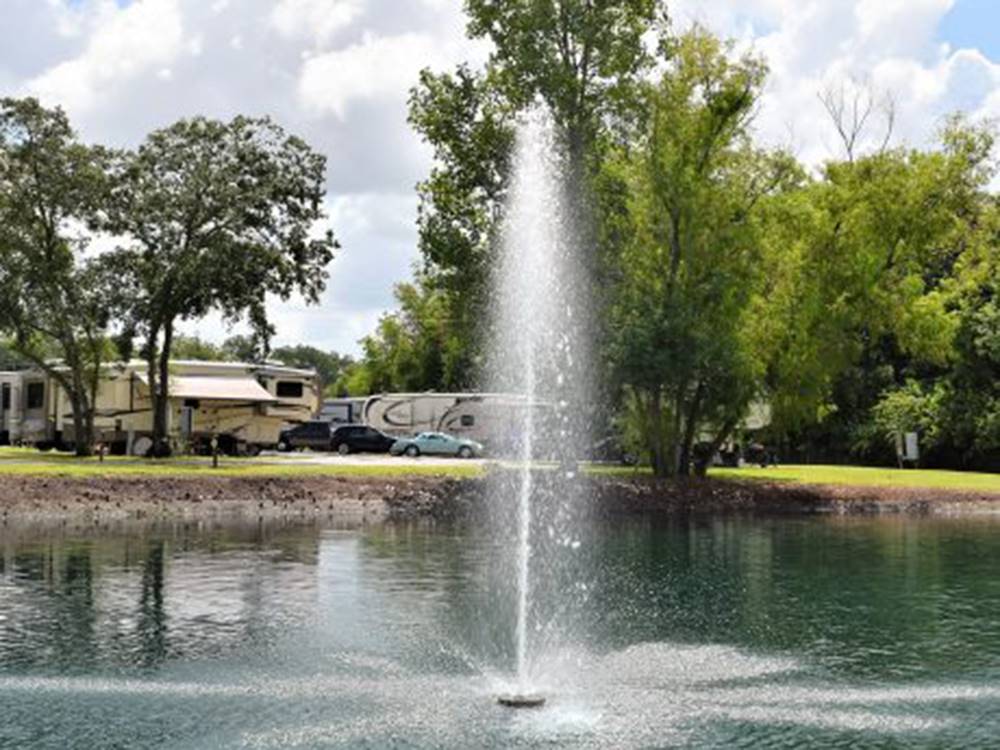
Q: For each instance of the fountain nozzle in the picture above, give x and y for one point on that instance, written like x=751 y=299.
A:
x=521 y=700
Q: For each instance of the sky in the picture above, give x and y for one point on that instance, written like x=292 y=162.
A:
x=338 y=73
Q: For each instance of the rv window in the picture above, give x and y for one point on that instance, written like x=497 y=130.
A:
x=468 y=420
x=289 y=389
x=35 y=397
x=192 y=403
x=5 y=398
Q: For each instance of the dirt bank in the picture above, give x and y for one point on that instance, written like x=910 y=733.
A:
x=375 y=499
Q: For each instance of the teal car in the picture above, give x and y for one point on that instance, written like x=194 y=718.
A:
x=436 y=444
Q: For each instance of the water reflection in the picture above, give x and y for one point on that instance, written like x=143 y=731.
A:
x=702 y=632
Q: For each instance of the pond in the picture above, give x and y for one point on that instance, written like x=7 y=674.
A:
x=697 y=632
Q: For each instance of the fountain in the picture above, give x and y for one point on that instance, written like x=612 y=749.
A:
x=539 y=350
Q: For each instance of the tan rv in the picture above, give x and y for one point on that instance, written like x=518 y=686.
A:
x=243 y=406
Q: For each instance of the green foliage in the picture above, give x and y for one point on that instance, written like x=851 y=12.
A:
x=683 y=353
x=881 y=272
x=580 y=57
x=330 y=366
x=240 y=348
x=908 y=408
x=50 y=295
x=217 y=216
x=193 y=347
x=414 y=349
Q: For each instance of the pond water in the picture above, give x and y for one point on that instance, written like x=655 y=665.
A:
x=707 y=632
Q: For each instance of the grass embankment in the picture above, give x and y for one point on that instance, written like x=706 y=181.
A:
x=30 y=462
x=865 y=476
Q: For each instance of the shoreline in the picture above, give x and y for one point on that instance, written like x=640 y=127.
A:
x=371 y=499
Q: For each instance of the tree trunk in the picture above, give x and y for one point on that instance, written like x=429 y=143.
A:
x=161 y=438
x=690 y=430
x=701 y=465
x=654 y=413
x=83 y=438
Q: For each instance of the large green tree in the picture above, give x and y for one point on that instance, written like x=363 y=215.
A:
x=683 y=349
x=51 y=188
x=863 y=272
x=216 y=216
x=581 y=59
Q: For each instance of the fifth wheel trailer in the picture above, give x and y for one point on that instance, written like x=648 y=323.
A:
x=494 y=419
x=243 y=406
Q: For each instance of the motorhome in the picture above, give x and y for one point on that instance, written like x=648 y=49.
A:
x=494 y=419
x=242 y=406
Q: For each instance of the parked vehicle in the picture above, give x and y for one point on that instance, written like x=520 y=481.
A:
x=315 y=434
x=436 y=444
x=495 y=419
x=357 y=438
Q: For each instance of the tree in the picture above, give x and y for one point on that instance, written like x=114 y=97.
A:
x=411 y=348
x=683 y=350
x=50 y=296
x=240 y=348
x=330 y=366
x=217 y=216
x=583 y=60
x=861 y=275
x=194 y=347
x=578 y=56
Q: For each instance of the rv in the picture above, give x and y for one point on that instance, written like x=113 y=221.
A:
x=494 y=419
x=24 y=407
x=242 y=406
x=342 y=410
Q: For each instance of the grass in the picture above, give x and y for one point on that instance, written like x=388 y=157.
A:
x=865 y=476
x=29 y=462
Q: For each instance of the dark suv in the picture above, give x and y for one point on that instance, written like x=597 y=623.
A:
x=357 y=438
x=315 y=435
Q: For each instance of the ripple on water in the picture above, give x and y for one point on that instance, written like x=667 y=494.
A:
x=656 y=693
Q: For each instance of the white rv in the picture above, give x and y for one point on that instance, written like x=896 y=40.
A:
x=494 y=419
x=244 y=406
x=25 y=407
x=342 y=410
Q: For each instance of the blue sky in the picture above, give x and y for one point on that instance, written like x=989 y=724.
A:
x=973 y=23
x=338 y=72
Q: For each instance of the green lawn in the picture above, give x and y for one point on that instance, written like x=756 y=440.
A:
x=867 y=476
x=28 y=461
x=25 y=461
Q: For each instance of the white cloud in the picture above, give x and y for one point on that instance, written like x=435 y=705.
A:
x=317 y=20
x=375 y=67
x=124 y=44
x=337 y=72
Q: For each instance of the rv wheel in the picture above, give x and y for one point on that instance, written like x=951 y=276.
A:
x=412 y=451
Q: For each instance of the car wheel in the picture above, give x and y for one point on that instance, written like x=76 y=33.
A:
x=412 y=451
x=465 y=452
x=343 y=449
x=284 y=446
